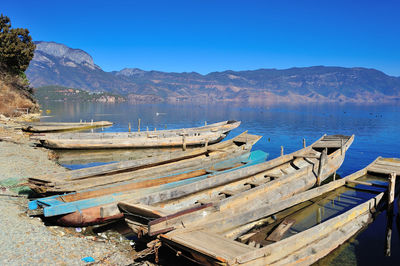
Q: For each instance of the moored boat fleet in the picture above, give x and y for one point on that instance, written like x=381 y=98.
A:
x=219 y=202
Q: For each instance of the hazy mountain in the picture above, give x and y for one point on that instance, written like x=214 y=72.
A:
x=57 y=64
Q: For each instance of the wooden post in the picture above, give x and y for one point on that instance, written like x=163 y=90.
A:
x=138 y=129
x=392 y=183
x=205 y=123
x=281 y=150
x=155 y=129
x=319 y=215
x=184 y=142
x=389 y=227
x=322 y=160
x=129 y=127
x=341 y=146
x=206 y=143
x=91 y=122
x=304 y=143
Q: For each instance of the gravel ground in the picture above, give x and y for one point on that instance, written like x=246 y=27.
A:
x=27 y=240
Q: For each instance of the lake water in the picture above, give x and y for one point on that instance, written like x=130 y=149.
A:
x=376 y=129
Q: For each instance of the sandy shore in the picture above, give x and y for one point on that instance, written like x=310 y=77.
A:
x=27 y=240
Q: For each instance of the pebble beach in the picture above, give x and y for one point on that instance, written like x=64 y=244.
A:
x=25 y=239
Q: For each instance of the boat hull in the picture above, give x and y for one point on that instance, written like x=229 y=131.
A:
x=205 y=135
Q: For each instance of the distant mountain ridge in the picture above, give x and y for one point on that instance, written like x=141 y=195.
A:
x=57 y=64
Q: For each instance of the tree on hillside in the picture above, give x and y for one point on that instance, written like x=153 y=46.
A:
x=16 y=47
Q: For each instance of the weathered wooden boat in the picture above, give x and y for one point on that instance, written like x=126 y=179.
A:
x=298 y=231
x=42 y=127
x=271 y=181
x=83 y=208
x=166 y=164
x=83 y=157
x=183 y=137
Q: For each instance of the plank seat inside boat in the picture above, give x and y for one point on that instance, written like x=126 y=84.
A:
x=328 y=144
x=385 y=166
x=211 y=244
x=231 y=192
x=147 y=210
x=212 y=200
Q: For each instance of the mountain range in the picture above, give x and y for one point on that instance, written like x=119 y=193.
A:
x=57 y=64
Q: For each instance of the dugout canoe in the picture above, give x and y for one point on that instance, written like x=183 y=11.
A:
x=271 y=181
x=83 y=208
x=166 y=164
x=44 y=127
x=85 y=157
x=183 y=137
x=298 y=231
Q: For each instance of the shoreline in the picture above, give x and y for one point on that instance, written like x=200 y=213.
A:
x=28 y=240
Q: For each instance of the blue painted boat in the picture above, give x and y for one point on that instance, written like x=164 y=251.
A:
x=161 y=164
x=83 y=208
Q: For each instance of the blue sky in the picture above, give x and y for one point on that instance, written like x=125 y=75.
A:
x=206 y=35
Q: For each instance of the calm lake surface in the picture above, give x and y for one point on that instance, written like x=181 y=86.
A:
x=376 y=130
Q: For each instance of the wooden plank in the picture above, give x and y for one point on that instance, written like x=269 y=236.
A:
x=382 y=170
x=56 y=126
x=232 y=192
x=245 y=237
x=387 y=167
x=392 y=162
x=284 y=226
x=256 y=183
x=146 y=210
x=213 y=200
x=307 y=156
x=355 y=182
x=327 y=145
x=211 y=244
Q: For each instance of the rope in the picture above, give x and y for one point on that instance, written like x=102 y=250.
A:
x=153 y=247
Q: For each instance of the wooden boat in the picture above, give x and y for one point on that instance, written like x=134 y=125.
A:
x=83 y=157
x=41 y=127
x=163 y=138
x=83 y=208
x=271 y=181
x=166 y=164
x=298 y=231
